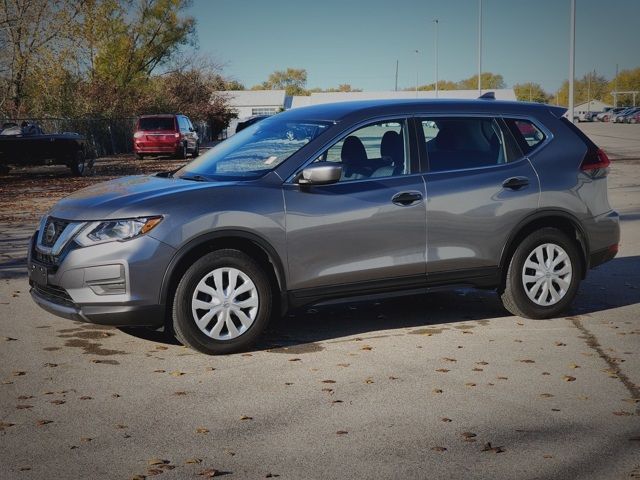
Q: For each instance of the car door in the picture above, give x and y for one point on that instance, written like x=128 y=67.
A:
x=479 y=187
x=368 y=229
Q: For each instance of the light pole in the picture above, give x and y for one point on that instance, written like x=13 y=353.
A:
x=572 y=57
x=417 y=52
x=479 y=47
x=436 y=53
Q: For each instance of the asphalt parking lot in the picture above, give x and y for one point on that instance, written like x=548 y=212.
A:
x=443 y=385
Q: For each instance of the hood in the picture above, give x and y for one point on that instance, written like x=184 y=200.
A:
x=126 y=197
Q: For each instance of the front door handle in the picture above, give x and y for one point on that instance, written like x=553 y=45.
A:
x=515 y=183
x=406 y=198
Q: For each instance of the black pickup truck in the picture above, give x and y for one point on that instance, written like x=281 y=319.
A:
x=27 y=144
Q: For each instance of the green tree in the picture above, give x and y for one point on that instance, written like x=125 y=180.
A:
x=442 y=85
x=489 y=81
x=628 y=80
x=531 y=92
x=590 y=87
x=29 y=31
x=292 y=80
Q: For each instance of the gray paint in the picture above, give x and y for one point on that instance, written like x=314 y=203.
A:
x=342 y=233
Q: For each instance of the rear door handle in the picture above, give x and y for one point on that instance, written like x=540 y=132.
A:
x=515 y=183
x=406 y=198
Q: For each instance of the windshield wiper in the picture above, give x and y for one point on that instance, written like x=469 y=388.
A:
x=196 y=178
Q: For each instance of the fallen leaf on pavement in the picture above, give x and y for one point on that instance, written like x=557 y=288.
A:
x=202 y=430
x=488 y=448
x=437 y=390
x=623 y=413
x=328 y=381
x=439 y=449
x=40 y=423
x=246 y=417
x=208 y=473
x=23 y=407
x=569 y=378
x=193 y=460
x=445 y=419
x=157 y=461
x=526 y=360
x=442 y=370
x=342 y=432
x=546 y=395
x=447 y=359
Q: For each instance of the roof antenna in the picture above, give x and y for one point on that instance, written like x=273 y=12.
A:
x=488 y=96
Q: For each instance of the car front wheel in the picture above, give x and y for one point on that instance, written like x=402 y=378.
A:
x=543 y=275
x=78 y=163
x=222 y=303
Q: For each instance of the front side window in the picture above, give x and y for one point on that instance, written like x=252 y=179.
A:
x=255 y=150
x=458 y=143
x=375 y=151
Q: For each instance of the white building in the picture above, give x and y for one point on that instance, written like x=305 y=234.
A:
x=248 y=103
x=591 y=106
x=332 y=97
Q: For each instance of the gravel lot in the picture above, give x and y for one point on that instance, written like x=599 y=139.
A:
x=444 y=385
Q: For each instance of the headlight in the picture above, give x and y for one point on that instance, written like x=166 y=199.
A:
x=138 y=135
x=113 y=230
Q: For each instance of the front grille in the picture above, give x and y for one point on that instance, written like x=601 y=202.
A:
x=45 y=258
x=54 y=294
x=53 y=228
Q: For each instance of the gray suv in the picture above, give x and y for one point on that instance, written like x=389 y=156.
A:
x=335 y=201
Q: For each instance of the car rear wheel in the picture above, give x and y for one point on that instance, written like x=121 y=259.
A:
x=78 y=163
x=543 y=276
x=196 y=150
x=222 y=303
x=182 y=151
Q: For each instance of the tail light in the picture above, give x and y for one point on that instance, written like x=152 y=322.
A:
x=594 y=160
x=137 y=135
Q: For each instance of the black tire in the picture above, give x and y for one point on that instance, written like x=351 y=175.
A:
x=196 y=151
x=181 y=153
x=184 y=326
x=139 y=156
x=514 y=297
x=78 y=163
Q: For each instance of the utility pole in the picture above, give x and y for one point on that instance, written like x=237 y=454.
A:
x=436 y=54
x=396 y=75
x=479 y=47
x=572 y=59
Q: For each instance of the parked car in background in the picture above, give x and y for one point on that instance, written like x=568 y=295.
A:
x=635 y=118
x=333 y=201
x=165 y=135
x=28 y=144
x=626 y=115
x=606 y=115
x=249 y=121
x=587 y=116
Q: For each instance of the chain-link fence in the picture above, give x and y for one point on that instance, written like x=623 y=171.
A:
x=105 y=136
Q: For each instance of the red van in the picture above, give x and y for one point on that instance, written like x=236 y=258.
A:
x=165 y=134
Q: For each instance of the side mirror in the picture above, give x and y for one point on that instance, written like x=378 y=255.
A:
x=321 y=173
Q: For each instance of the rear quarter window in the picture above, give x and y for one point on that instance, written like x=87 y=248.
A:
x=526 y=133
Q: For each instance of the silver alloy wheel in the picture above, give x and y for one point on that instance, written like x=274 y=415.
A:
x=225 y=303
x=546 y=274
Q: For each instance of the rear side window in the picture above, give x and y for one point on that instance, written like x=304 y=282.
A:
x=526 y=133
x=156 y=123
x=459 y=143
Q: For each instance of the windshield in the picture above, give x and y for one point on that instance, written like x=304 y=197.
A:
x=255 y=150
x=156 y=123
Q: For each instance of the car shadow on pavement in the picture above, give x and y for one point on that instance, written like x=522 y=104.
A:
x=611 y=285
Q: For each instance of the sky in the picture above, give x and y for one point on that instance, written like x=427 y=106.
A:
x=358 y=41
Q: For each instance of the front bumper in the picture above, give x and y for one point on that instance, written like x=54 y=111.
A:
x=115 y=283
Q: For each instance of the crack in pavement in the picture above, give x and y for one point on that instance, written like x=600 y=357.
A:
x=592 y=342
